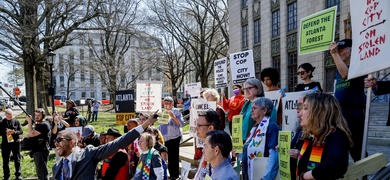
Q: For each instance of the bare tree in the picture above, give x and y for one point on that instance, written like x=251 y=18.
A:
x=195 y=29
x=30 y=27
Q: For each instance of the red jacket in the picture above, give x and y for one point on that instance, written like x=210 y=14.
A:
x=233 y=105
x=122 y=173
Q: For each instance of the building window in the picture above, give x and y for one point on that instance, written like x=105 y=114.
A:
x=81 y=54
x=292 y=16
x=92 y=94
x=331 y=3
x=244 y=4
x=83 y=94
x=292 y=77
x=257 y=31
x=91 y=80
x=104 y=94
x=62 y=81
x=258 y=69
x=275 y=23
x=276 y=63
x=82 y=76
x=245 y=36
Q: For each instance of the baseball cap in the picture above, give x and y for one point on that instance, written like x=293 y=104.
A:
x=344 y=43
x=88 y=130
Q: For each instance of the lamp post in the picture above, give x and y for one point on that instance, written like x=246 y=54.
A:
x=50 y=61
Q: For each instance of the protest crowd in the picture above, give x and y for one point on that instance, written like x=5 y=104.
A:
x=329 y=130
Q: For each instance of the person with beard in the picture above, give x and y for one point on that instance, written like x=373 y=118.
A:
x=39 y=136
x=82 y=164
x=71 y=112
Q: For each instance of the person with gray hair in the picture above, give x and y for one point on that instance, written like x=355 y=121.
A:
x=262 y=140
x=212 y=95
x=172 y=133
x=252 y=89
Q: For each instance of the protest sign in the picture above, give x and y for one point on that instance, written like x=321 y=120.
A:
x=199 y=106
x=242 y=66
x=274 y=96
x=193 y=89
x=237 y=133
x=77 y=130
x=317 y=31
x=124 y=106
x=284 y=156
x=220 y=73
x=370 y=50
x=290 y=120
x=164 y=118
x=149 y=96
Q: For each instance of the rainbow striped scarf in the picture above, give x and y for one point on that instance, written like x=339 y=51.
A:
x=146 y=166
x=315 y=154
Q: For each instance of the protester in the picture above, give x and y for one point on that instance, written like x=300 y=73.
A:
x=150 y=166
x=39 y=137
x=10 y=130
x=305 y=72
x=57 y=125
x=89 y=137
x=252 y=89
x=89 y=110
x=234 y=104
x=116 y=166
x=87 y=160
x=207 y=121
x=324 y=154
x=163 y=151
x=270 y=77
x=262 y=140
x=95 y=107
x=379 y=88
x=172 y=133
x=216 y=150
x=212 y=95
x=102 y=138
x=71 y=112
x=186 y=106
x=350 y=94
x=142 y=117
x=132 y=149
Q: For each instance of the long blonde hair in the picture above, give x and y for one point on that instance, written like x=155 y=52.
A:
x=324 y=117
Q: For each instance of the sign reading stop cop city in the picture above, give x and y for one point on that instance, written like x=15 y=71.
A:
x=317 y=31
x=242 y=66
x=124 y=106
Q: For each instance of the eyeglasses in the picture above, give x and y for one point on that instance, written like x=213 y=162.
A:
x=248 y=88
x=58 y=140
x=200 y=125
x=301 y=73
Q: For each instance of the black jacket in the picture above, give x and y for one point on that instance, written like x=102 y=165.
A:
x=10 y=124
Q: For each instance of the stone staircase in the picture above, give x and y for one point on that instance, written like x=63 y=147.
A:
x=378 y=132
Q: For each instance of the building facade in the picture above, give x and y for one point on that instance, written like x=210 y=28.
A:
x=270 y=28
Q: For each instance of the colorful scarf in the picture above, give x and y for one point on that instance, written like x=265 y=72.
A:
x=146 y=166
x=315 y=154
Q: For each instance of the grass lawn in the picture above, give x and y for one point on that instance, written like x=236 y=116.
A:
x=105 y=121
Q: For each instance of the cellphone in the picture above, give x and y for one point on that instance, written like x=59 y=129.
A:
x=155 y=116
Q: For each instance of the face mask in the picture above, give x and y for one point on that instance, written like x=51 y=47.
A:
x=236 y=91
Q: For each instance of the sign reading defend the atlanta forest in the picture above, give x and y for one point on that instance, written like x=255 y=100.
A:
x=317 y=31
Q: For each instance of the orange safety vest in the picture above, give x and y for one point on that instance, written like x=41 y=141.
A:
x=123 y=172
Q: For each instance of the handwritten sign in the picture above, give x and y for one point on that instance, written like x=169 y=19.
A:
x=290 y=120
x=237 y=133
x=274 y=96
x=198 y=106
x=284 y=156
x=370 y=24
x=149 y=96
x=193 y=89
x=164 y=118
x=317 y=31
x=124 y=117
x=242 y=66
x=220 y=72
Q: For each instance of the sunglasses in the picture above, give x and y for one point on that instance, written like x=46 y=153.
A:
x=248 y=88
x=301 y=73
x=58 y=140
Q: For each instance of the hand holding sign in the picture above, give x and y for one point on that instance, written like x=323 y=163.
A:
x=164 y=119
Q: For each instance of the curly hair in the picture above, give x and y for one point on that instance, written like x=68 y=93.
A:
x=272 y=73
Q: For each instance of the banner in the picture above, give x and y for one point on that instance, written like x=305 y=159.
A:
x=317 y=31
x=284 y=156
x=149 y=96
x=220 y=73
x=290 y=117
x=198 y=106
x=193 y=89
x=237 y=133
x=242 y=66
x=124 y=106
x=370 y=27
x=275 y=98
